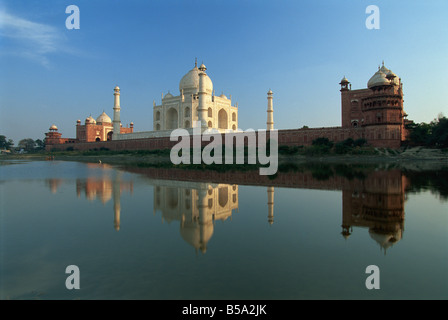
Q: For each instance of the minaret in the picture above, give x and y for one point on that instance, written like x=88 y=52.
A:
x=116 y=121
x=270 y=121
x=117 y=207
x=203 y=220
x=271 y=205
x=202 y=108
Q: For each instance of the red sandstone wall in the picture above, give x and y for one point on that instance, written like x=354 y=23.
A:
x=294 y=137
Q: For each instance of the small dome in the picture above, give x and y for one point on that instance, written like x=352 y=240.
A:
x=90 y=120
x=344 y=80
x=223 y=96
x=202 y=67
x=104 y=118
x=393 y=78
x=270 y=92
x=117 y=88
x=53 y=127
x=168 y=95
x=385 y=240
x=190 y=82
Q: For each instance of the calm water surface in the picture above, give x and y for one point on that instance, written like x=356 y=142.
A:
x=142 y=234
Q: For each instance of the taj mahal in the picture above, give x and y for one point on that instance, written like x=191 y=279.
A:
x=375 y=114
x=183 y=110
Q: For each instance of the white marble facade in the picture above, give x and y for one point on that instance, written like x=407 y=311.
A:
x=181 y=111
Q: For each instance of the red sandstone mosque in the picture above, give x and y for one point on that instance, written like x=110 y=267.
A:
x=374 y=113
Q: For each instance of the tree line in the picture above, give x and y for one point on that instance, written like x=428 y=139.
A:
x=433 y=134
x=28 y=144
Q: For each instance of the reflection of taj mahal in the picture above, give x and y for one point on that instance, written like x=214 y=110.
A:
x=195 y=208
x=376 y=202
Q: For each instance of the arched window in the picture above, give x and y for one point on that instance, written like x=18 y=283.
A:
x=97 y=139
x=187 y=112
x=158 y=126
x=187 y=124
x=233 y=127
x=233 y=116
x=158 y=115
x=210 y=112
x=209 y=124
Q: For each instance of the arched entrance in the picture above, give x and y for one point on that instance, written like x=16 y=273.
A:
x=222 y=119
x=171 y=119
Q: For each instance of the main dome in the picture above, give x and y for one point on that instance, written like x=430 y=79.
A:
x=104 y=118
x=380 y=78
x=190 y=82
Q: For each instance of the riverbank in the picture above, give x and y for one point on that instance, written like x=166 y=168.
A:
x=415 y=158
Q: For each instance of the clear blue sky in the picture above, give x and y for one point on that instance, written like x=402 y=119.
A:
x=299 y=49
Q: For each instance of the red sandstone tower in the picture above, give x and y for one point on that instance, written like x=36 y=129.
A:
x=378 y=110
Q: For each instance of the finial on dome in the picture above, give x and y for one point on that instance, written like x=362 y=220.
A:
x=196 y=62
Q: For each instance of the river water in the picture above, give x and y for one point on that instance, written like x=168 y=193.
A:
x=146 y=233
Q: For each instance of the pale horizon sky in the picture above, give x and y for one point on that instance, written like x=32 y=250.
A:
x=298 y=49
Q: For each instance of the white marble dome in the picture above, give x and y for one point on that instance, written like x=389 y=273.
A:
x=90 y=120
x=380 y=78
x=190 y=82
x=104 y=118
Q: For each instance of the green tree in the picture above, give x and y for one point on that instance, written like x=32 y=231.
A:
x=40 y=144
x=440 y=132
x=5 y=143
x=433 y=134
x=27 y=144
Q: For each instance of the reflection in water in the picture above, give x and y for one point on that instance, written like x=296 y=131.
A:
x=196 y=206
x=375 y=202
x=109 y=185
x=378 y=204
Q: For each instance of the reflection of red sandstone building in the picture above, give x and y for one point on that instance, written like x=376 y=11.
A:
x=377 y=204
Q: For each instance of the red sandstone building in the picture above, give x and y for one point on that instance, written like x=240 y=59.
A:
x=374 y=113
x=378 y=110
x=93 y=130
